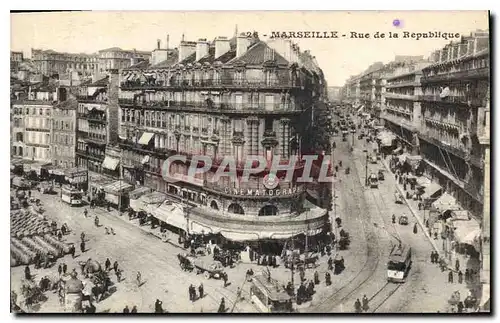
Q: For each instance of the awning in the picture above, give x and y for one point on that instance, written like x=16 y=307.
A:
x=118 y=187
x=138 y=192
x=414 y=160
x=145 y=159
x=397 y=150
x=467 y=232
x=445 y=202
x=386 y=138
x=240 y=236
x=110 y=163
x=57 y=171
x=170 y=214
x=146 y=138
x=154 y=198
x=96 y=107
x=432 y=190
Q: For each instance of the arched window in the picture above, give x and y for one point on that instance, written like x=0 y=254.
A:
x=235 y=208
x=268 y=210
x=214 y=205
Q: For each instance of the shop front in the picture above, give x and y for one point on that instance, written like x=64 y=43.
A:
x=116 y=194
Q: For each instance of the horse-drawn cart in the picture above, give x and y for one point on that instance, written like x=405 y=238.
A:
x=210 y=269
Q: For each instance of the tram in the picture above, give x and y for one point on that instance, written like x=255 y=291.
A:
x=373 y=180
x=269 y=296
x=71 y=195
x=399 y=263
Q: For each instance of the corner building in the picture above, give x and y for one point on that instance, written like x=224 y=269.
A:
x=231 y=97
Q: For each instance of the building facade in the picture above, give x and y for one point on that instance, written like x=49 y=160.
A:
x=63 y=142
x=454 y=93
x=402 y=109
x=231 y=97
x=117 y=58
x=49 y=62
x=97 y=124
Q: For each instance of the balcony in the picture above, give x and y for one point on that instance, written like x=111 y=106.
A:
x=269 y=134
x=145 y=150
x=457 y=76
x=450 y=149
x=91 y=137
x=99 y=118
x=90 y=155
x=210 y=84
x=402 y=84
x=89 y=99
x=456 y=99
x=391 y=95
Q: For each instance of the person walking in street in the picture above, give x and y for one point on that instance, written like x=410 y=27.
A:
x=82 y=236
x=432 y=257
x=64 y=268
x=467 y=275
x=126 y=310
x=134 y=310
x=59 y=235
x=316 y=278
x=82 y=246
x=460 y=277
x=457 y=265
x=72 y=251
x=357 y=306
x=450 y=276
x=201 y=291
x=460 y=307
x=96 y=221
x=365 y=303
x=138 y=278
x=225 y=278
x=328 y=279
x=222 y=306
x=107 y=264
x=118 y=274
x=59 y=269
x=158 y=306
x=394 y=218
x=115 y=266
x=415 y=229
x=191 y=295
x=330 y=263
x=112 y=231
x=106 y=229
x=85 y=212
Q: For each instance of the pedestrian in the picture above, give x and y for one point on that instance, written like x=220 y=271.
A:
x=365 y=303
x=200 y=290
x=126 y=310
x=82 y=236
x=96 y=221
x=158 y=306
x=404 y=186
x=316 y=278
x=432 y=256
x=59 y=235
x=118 y=274
x=64 y=268
x=190 y=291
x=415 y=230
x=457 y=265
x=82 y=246
x=419 y=206
x=138 y=278
x=85 y=212
x=328 y=279
x=134 y=310
x=112 y=231
x=450 y=276
x=59 y=269
x=467 y=275
x=460 y=307
x=107 y=230
x=357 y=306
x=460 y=277
x=107 y=264
x=225 y=278
x=222 y=306
x=394 y=218
x=29 y=193
x=115 y=265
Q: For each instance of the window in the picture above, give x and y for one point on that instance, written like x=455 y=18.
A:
x=238 y=125
x=239 y=101
x=269 y=103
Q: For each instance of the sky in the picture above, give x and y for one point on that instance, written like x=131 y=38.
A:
x=339 y=58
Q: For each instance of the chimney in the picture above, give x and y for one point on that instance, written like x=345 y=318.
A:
x=186 y=48
x=201 y=48
x=158 y=44
x=222 y=46
x=242 y=44
x=168 y=40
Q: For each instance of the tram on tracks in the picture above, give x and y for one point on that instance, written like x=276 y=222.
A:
x=269 y=295
x=399 y=263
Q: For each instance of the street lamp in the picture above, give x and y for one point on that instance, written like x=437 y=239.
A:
x=366 y=167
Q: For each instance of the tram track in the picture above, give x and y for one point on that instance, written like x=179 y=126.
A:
x=372 y=251
x=382 y=296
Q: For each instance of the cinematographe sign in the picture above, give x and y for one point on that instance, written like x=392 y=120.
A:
x=263 y=192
